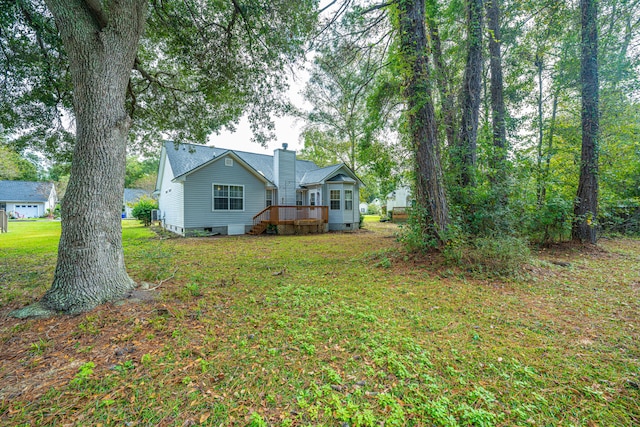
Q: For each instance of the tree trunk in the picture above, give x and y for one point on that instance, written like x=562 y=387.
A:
x=539 y=185
x=470 y=96
x=430 y=192
x=447 y=97
x=499 y=157
x=586 y=205
x=547 y=156
x=101 y=45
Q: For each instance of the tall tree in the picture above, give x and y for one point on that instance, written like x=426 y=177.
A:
x=466 y=151
x=499 y=155
x=204 y=61
x=442 y=73
x=101 y=45
x=586 y=204
x=430 y=192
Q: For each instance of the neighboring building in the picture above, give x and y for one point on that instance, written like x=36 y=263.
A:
x=399 y=198
x=217 y=190
x=131 y=197
x=27 y=199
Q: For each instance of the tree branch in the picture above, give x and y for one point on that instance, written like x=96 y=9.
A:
x=95 y=10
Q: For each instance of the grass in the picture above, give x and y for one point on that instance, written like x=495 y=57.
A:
x=324 y=330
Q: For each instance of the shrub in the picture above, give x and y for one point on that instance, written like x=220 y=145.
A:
x=142 y=210
x=551 y=221
x=501 y=255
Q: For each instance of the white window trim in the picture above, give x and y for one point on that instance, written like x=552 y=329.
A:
x=345 y=200
x=339 y=200
x=266 y=197
x=213 y=198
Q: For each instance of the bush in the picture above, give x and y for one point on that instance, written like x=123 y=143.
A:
x=142 y=210
x=551 y=221
x=418 y=234
x=500 y=255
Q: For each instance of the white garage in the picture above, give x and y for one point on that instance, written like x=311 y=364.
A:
x=26 y=211
x=27 y=199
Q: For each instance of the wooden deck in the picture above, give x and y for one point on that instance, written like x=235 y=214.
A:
x=291 y=219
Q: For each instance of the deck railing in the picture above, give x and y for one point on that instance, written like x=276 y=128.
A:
x=278 y=215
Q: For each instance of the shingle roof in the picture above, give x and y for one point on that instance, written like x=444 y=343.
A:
x=133 y=194
x=189 y=156
x=25 y=191
x=315 y=176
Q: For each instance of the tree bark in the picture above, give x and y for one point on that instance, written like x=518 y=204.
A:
x=101 y=44
x=586 y=204
x=430 y=192
x=499 y=157
x=447 y=97
x=470 y=96
x=539 y=175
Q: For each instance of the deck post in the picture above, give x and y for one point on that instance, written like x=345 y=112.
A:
x=3 y=221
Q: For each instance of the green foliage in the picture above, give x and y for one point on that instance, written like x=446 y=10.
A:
x=205 y=62
x=501 y=255
x=333 y=340
x=83 y=374
x=137 y=170
x=142 y=210
x=417 y=234
x=256 y=420
x=550 y=222
x=13 y=166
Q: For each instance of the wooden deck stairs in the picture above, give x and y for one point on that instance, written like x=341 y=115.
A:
x=259 y=228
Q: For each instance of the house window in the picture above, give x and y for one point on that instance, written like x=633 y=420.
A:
x=228 y=162
x=228 y=197
x=334 y=198
x=348 y=200
x=312 y=199
x=269 y=197
x=298 y=198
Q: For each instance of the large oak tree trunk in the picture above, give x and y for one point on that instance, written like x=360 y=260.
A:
x=470 y=96
x=586 y=205
x=430 y=184
x=101 y=46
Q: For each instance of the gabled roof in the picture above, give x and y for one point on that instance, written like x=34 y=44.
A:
x=133 y=194
x=185 y=158
x=25 y=191
x=188 y=157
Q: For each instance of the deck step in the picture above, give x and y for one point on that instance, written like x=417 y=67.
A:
x=258 y=228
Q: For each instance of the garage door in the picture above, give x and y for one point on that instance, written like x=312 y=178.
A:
x=27 y=211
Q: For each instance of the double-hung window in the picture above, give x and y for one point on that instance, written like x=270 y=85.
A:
x=269 y=197
x=312 y=199
x=348 y=200
x=228 y=197
x=334 y=199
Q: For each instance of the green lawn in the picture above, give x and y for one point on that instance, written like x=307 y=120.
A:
x=333 y=329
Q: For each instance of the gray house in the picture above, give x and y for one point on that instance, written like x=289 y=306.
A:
x=27 y=199
x=223 y=191
x=130 y=198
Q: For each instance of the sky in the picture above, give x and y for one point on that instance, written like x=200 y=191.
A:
x=287 y=129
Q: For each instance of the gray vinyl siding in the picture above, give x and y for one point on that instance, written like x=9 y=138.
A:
x=340 y=219
x=284 y=172
x=198 y=196
x=170 y=201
